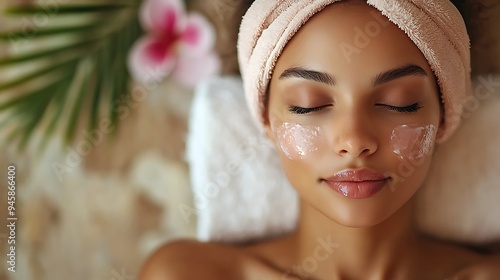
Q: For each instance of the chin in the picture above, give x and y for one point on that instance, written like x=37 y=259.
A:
x=353 y=219
x=366 y=213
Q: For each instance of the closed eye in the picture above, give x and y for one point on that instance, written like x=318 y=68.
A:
x=301 y=110
x=406 y=109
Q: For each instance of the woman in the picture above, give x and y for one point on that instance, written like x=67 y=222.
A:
x=347 y=101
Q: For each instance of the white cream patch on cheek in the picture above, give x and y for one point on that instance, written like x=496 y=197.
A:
x=296 y=140
x=412 y=141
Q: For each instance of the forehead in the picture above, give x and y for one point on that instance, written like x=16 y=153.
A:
x=350 y=40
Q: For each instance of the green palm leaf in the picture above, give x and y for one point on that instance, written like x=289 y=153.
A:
x=72 y=65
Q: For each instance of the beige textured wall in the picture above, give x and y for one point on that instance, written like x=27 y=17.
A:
x=110 y=210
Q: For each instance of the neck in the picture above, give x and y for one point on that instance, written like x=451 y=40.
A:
x=326 y=248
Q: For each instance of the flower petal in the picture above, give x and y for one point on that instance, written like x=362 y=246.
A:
x=198 y=36
x=165 y=16
x=148 y=62
x=192 y=70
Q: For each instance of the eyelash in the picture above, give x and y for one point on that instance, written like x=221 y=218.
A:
x=406 y=109
x=301 y=111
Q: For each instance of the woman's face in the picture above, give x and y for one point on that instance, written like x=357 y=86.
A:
x=353 y=110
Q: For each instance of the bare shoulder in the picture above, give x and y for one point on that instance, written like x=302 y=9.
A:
x=453 y=261
x=484 y=268
x=189 y=259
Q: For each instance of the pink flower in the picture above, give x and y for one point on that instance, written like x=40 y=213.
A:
x=176 y=44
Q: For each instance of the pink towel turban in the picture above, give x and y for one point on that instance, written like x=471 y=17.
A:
x=435 y=27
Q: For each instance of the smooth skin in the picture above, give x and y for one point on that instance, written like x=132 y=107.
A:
x=339 y=237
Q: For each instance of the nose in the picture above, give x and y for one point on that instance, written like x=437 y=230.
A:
x=354 y=137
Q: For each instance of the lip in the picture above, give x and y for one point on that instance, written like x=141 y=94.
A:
x=357 y=184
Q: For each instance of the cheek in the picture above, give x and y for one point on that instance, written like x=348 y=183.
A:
x=413 y=142
x=298 y=141
x=413 y=145
x=409 y=142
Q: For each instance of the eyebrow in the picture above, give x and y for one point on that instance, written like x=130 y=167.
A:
x=393 y=74
x=325 y=78
x=299 y=72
